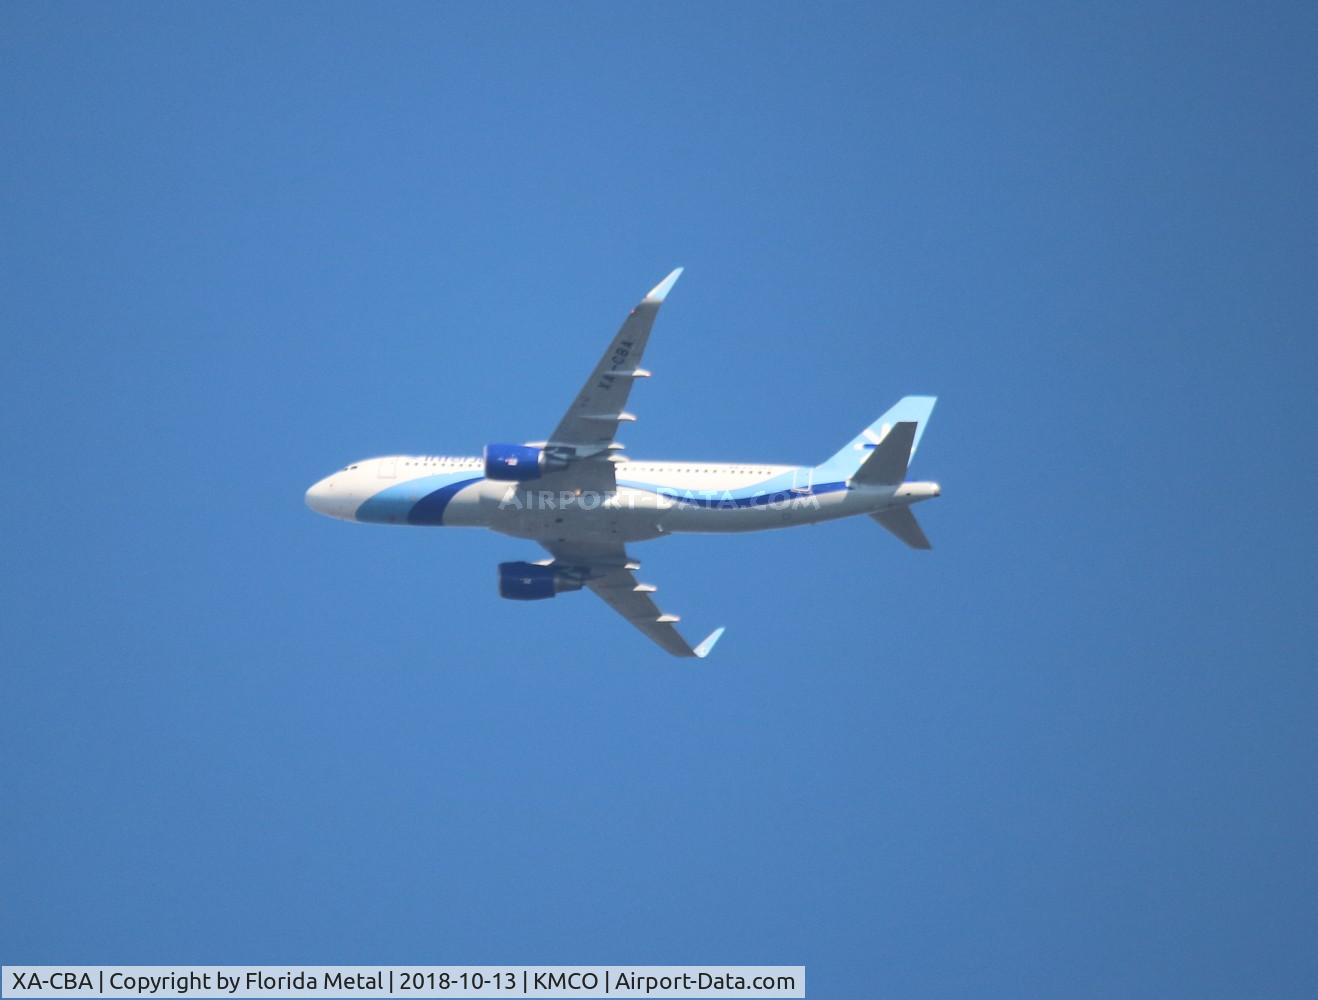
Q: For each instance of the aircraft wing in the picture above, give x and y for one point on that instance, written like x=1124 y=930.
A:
x=591 y=422
x=609 y=572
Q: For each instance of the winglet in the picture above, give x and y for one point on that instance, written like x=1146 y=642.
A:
x=705 y=647
x=660 y=291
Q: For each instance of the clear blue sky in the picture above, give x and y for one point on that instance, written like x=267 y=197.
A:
x=1070 y=752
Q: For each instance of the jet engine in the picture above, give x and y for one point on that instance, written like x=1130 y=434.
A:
x=524 y=581
x=518 y=463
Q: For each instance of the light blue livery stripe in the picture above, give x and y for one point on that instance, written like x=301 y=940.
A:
x=417 y=501
x=752 y=496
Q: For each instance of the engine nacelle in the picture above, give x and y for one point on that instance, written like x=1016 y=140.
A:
x=524 y=581
x=517 y=463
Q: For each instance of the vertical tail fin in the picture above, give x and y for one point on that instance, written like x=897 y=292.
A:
x=843 y=465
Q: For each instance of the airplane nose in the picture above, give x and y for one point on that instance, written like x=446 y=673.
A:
x=326 y=498
x=317 y=495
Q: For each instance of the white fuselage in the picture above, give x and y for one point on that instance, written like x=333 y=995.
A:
x=651 y=498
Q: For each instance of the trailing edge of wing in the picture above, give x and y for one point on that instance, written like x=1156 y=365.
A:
x=617 y=587
x=610 y=575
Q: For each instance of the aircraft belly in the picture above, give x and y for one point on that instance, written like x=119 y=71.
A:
x=728 y=517
x=635 y=515
x=530 y=514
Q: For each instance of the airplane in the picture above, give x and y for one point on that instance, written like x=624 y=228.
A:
x=580 y=498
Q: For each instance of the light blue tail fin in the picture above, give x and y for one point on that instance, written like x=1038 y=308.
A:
x=844 y=464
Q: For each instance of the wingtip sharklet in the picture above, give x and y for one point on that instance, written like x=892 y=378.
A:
x=710 y=640
x=660 y=291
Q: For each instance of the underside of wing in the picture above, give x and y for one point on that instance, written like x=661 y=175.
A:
x=619 y=589
x=610 y=573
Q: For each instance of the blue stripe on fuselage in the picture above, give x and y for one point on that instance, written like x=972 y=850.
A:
x=416 y=501
x=430 y=508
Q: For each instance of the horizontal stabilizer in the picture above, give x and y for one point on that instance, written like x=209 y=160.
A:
x=902 y=523
x=886 y=464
